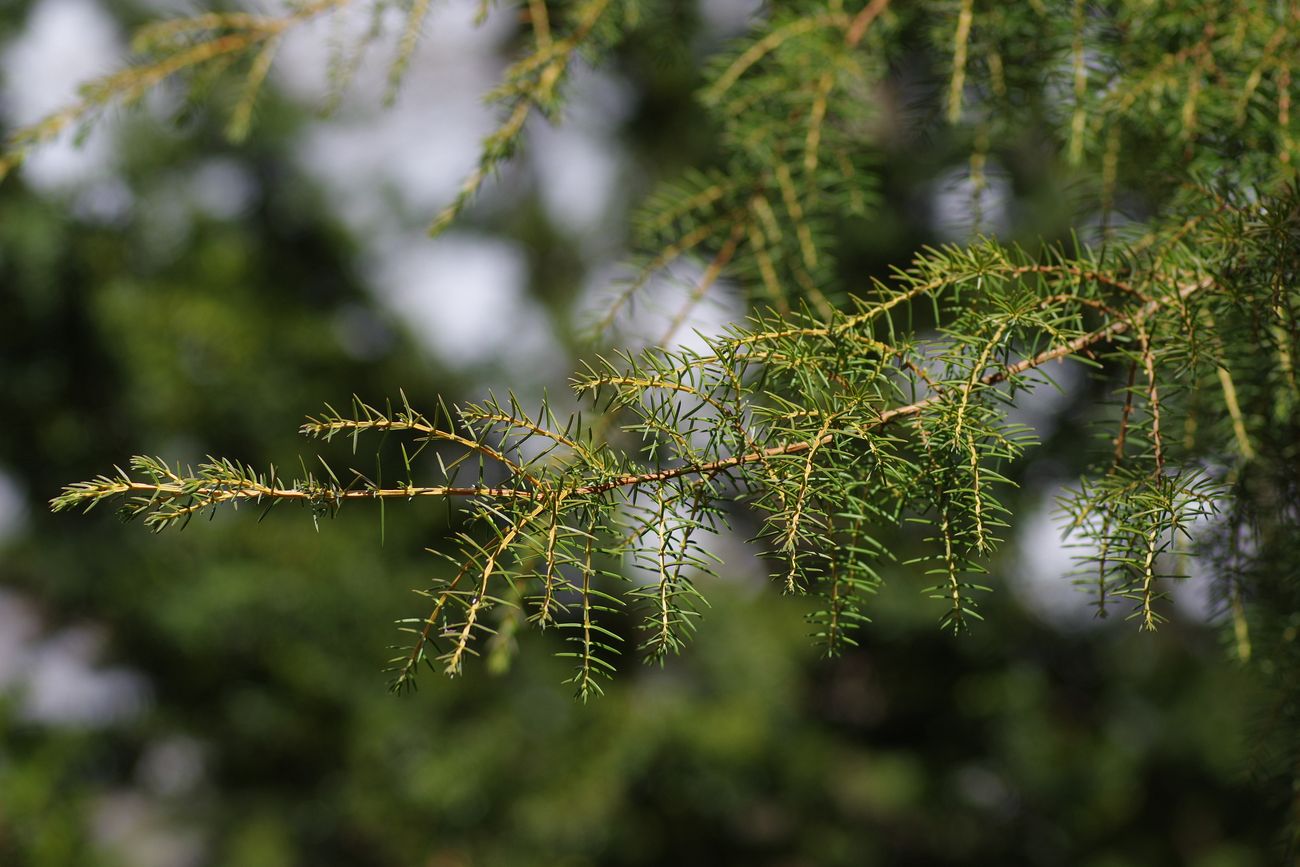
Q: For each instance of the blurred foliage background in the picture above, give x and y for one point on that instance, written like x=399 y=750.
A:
x=215 y=697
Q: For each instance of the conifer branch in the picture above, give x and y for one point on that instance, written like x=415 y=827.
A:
x=827 y=425
x=243 y=485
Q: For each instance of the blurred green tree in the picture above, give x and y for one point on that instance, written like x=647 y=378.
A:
x=859 y=427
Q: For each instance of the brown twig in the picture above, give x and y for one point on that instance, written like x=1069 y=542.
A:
x=219 y=493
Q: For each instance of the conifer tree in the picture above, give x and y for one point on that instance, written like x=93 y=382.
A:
x=840 y=407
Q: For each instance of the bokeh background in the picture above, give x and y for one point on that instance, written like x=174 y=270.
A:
x=216 y=697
